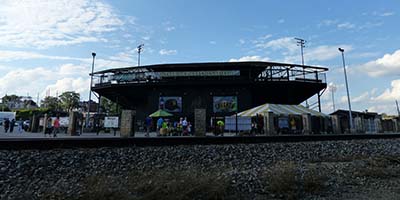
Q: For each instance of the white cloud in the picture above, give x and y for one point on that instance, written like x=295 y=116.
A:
x=79 y=85
x=346 y=25
x=287 y=43
x=343 y=99
x=386 y=14
x=213 y=42
x=67 y=77
x=390 y=94
x=331 y=87
x=47 y=23
x=121 y=59
x=242 y=41
x=363 y=97
x=324 y=52
x=319 y=53
x=168 y=52
x=146 y=38
x=249 y=58
x=170 y=28
x=26 y=55
x=389 y=64
x=23 y=81
x=289 y=49
x=328 y=22
x=71 y=69
x=383 y=108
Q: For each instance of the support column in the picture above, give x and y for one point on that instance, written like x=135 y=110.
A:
x=34 y=126
x=72 y=128
x=200 y=122
x=307 y=129
x=127 y=123
x=395 y=128
x=378 y=125
x=44 y=123
x=358 y=125
x=336 y=124
x=269 y=127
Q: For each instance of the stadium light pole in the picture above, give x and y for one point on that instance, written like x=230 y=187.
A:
x=139 y=49
x=90 y=91
x=333 y=90
x=301 y=42
x=347 y=89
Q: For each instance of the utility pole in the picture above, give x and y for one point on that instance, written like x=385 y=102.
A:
x=90 y=91
x=139 y=50
x=398 y=111
x=300 y=42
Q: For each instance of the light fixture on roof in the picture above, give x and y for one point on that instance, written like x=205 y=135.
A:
x=139 y=50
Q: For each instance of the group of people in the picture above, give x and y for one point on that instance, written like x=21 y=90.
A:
x=167 y=127
x=9 y=125
x=52 y=127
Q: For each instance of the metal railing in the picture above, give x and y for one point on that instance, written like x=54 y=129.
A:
x=271 y=73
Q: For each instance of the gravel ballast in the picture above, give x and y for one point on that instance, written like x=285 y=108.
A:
x=33 y=174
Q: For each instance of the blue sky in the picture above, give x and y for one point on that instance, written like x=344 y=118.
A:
x=45 y=46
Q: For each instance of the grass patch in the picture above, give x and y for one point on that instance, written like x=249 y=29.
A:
x=380 y=168
x=149 y=185
x=286 y=180
x=182 y=185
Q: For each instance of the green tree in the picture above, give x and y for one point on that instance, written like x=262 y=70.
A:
x=51 y=103
x=4 y=107
x=10 y=98
x=108 y=106
x=69 y=100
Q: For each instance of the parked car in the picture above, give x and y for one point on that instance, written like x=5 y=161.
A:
x=26 y=125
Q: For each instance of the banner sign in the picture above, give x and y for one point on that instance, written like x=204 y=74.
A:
x=144 y=75
x=171 y=104
x=224 y=103
x=111 y=122
x=200 y=73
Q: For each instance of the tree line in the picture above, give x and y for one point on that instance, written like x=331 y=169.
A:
x=66 y=102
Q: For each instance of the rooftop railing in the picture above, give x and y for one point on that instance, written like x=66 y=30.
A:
x=270 y=73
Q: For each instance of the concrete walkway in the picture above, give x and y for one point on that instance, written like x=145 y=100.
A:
x=24 y=134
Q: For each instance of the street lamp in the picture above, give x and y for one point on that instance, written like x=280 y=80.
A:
x=347 y=89
x=90 y=90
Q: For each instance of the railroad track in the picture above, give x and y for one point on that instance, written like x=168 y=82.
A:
x=52 y=143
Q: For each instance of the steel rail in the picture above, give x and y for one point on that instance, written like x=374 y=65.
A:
x=81 y=142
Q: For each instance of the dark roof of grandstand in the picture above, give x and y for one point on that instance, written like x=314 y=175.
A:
x=209 y=66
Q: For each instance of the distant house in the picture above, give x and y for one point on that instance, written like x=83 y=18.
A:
x=364 y=122
x=84 y=106
x=21 y=103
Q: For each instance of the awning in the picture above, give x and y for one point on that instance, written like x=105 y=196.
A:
x=280 y=109
x=161 y=113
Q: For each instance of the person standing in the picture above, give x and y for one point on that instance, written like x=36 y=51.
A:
x=48 y=127
x=56 y=126
x=12 y=124
x=160 y=122
x=20 y=125
x=148 y=126
x=6 y=124
x=184 y=126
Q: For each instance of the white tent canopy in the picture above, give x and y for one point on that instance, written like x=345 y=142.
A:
x=280 y=109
